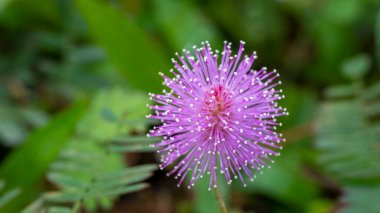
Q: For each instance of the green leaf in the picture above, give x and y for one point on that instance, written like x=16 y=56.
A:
x=347 y=13
x=124 y=190
x=69 y=166
x=21 y=13
x=135 y=139
x=64 y=180
x=333 y=45
x=294 y=188
x=123 y=105
x=372 y=92
x=11 y=132
x=62 y=197
x=233 y=22
x=356 y=67
x=130 y=148
x=377 y=39
x=342 y=91
x=127 y=46
x=342 y=126
x=86 y=172
x=372 y=109
x=59 y=210
x=8 y=196
x=100 y=187
x=34 y=206
x=4 y=3
x=190 y=27
x=301 y=104
x=348 y=135
x=321 y=205
x=361 y=199
x=39 y=150
x=147 y=168
x=108 y=115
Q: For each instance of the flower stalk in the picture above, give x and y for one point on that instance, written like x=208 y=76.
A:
x=219 y=198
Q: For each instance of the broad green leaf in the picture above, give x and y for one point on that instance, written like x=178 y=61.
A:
x=25 y=167
x=333 y=45
x=127 y=46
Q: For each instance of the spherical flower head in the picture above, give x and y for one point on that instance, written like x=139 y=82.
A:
x=218 y=116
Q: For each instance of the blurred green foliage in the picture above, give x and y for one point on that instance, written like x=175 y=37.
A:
x=77 y=72
x=348 y=137
x=38 y=151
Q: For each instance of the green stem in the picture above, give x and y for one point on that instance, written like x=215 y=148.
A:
x=76 y=207
x=219 y=198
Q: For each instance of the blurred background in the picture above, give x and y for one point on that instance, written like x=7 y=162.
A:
x=74 y=79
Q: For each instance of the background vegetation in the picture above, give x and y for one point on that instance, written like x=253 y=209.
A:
x=74 y=77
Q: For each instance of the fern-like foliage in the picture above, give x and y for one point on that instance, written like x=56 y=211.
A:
x=7 y=196
x=361 y=199
x=90 y=171
x=348 y=137
x=349 y=141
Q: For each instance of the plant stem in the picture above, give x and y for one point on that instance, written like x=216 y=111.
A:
x=219 y=198
x=76 y=207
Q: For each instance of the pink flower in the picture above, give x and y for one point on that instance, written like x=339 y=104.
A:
x=219 y=115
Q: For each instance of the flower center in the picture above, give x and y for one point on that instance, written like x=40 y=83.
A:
x=216 y=104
